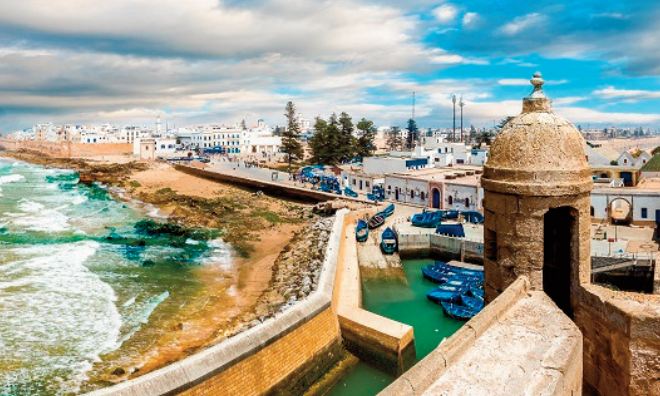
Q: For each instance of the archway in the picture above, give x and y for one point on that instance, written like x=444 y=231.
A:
x=558 y=256
x=620 y=211
x=436 y=198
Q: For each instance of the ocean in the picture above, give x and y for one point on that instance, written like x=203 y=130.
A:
x=88 y=283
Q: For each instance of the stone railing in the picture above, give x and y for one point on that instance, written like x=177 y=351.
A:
x=285 y=353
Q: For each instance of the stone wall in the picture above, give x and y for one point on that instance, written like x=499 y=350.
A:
x=420 y=245
x=520 y=343
x=621 y=341
x=278 y=189
x=282 y=355
x=69 y=150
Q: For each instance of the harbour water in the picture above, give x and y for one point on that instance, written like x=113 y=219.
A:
x=87 y=283
x=404 y=300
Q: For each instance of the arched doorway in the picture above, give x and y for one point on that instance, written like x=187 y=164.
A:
x=620 y=211
x=558 y=256
x=436 y=198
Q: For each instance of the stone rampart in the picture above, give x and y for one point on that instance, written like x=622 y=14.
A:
x=520 y=343
x=68 y=150
x=374 y=338
x=284 y=354
x=278 y=189
x=621 y=340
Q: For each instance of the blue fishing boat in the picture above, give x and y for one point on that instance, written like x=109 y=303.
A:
x=474 y=303
x=477 y=292
x=442 y=266
x=451 y=214
x=472 y=216
x=388 y=243
x=361 y=231
x=388 y=211
x=376 y=221
x=452 y=230
x=350 y=193
x=456 y=311
x=435 y=276
x=426 y=219
x=446 y=293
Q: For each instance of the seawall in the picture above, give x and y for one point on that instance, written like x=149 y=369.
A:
x=279 y=189
x=284 y=354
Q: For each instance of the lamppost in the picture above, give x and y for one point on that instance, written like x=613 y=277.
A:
x=453 y=133
x=461 y=104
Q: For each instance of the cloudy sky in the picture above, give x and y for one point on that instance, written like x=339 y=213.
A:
x=194 y=61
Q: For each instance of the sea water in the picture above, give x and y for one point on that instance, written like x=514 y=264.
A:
x=81 y=280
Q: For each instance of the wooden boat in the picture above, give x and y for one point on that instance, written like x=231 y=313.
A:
x=388 y=211
x=446 y=293
x=426 y=219
x=376 y=221
x=474 y=303
x=457 y=311
x=361 y=231
x=450 y=214
x=388 y=243
x=477 y=292
x=452 y=230
x=350 y=193
x=472 y=216
x=442 y=266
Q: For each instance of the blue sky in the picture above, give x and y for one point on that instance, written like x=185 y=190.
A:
x=198 y=61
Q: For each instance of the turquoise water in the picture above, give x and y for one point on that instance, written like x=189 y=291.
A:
x=83 y=275
x=402 y=299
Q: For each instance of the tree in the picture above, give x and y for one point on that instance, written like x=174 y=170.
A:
x=473 y=133
x=346 y=141
x=325 y=144
x=365 y=146
x=291 y=145
x=656 y=151
x=484 y=138
x=394 y=141
x=244 y=126
x=411 y=139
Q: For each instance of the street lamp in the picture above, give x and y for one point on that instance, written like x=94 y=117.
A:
x=453 y=133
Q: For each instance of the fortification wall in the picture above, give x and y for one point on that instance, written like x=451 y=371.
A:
x=66 y=150
x=621 y=340
x=374 y=338
x=284 y=354
x=268 y=187
x=521 y=343
x=416 y=245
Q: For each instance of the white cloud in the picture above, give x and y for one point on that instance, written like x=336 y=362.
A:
x=522 y=23
x=445 y=13
x=629 y=94
x=470 y=19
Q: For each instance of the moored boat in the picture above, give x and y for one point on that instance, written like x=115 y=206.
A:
x=474 y=303
x=426 y=219
x=456 y=311
x=388 y=243
x=446 y=293
x=376 y=221
x=477 y=292
x=388 y=211
x=361 y=231
x=350 y=193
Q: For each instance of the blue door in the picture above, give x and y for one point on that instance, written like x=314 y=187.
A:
x=436 y=198
x=657 y=219
x=627 y=178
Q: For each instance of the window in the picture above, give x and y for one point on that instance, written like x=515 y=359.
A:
x=645 y=213
x=366 y=183
x=421 y=195
x=625 y=160
x=412 y=193
x=450 y=200
x=467 y=202
x=354 y=182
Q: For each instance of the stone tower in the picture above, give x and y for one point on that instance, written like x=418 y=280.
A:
x=537 y=186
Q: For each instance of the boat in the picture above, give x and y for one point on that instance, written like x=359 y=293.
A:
x=361 y=231
x=350 y=193
x=477 y=292
x=472 y=216
x=388 y=243
x=388 y=211
x=376 y=221
x=456 y=311
x=442 y=266
x=426 y=219
x=445 y=274
x=474 y=303
x=450 y=214
x=452 y=230
x=446 y=293
x=435 y=276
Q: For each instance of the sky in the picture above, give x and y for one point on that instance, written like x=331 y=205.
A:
x=220 y=61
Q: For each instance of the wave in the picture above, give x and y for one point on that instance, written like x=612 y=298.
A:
x=4 y=179
x=63 y=317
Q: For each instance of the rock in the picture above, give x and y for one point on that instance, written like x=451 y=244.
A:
x=118 y=371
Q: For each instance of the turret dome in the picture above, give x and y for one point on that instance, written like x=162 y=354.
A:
x=538 y=152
